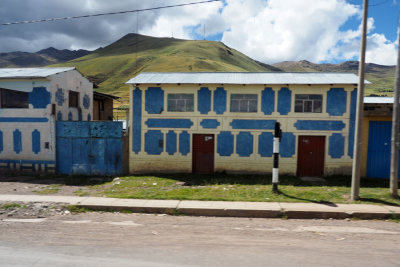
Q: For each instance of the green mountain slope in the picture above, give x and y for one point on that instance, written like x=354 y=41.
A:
x=110 y=67
x=381 y=77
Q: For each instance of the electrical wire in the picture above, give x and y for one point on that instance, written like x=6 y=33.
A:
x=106 y=14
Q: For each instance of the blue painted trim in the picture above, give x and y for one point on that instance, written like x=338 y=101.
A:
x=1 y=142
x=265 y=144
x=267 y=101
x=24 y=119
x=209 y=124
x=70 y=118
x=353 y=106
x=59 y=116
x=60 y=97
x=220 y=100
x=316 y=125
x=336 y=101
x=336 y=145
x=17 y=138
x=204 y=100
x=253 y=124
x=39 y=97
x=86 y=101
x=36 y=141
x=244 y=144
x=89 y=117
x=284 y=100
x=154 y=100
x=154 y=142
x=169 y=123
x=137 y=120
x=225 y=143
x=79 y=116
x=171 y=142
x=12 y=164
x=287 y=146
x=184 y=143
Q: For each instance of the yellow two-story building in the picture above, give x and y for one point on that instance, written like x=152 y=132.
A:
x=224 y=122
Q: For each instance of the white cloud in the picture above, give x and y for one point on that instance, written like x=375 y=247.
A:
x=267 y=30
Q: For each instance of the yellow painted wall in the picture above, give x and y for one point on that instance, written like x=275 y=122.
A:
x=142 y=162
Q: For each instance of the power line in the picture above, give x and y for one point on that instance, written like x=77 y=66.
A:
x=106 y=14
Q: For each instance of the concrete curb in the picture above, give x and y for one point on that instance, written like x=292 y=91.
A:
x=220 y=208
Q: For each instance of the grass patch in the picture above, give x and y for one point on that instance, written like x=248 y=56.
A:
x=76 y=209
x=12 y=206
x=48 y=190
x=225 y=187
x=81 y=193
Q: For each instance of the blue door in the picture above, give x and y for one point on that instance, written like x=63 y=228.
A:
x=379 y=146
x=91 y=148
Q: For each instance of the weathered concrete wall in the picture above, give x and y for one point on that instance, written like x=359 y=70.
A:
x=27 y=135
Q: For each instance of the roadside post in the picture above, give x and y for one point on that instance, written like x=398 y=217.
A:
x=275 y=170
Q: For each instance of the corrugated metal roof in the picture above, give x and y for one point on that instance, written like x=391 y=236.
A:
x=13 y=73
x=244 y=78
x=378 y=100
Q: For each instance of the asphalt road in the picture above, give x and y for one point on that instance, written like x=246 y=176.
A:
x=115 y=239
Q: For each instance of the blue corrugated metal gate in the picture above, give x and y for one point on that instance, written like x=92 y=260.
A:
x=91 y=148
x=379 y=146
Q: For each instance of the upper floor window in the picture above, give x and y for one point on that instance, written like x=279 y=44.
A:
x=181 y=102
x=73 y=99
x=243 y=103
x=308 y=103
x=13 y=99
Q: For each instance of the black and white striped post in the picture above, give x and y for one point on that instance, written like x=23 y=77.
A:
x=275 y=170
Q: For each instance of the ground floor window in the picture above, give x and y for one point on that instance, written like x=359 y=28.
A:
x=13 y=99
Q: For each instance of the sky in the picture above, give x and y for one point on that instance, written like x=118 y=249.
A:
x=271 y=31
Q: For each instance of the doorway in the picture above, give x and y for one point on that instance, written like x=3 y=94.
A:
x=203 y=153
x=311 y=156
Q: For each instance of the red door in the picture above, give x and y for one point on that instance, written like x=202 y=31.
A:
x=203 y=153
x=311 y=156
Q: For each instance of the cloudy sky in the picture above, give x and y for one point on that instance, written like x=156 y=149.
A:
x=267 y=30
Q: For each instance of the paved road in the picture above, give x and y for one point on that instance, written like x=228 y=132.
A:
x=115 y=239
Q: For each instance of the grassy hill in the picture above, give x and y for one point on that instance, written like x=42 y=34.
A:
x=382 y=77
x=110 y=67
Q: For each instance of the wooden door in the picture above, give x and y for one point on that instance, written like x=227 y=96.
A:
x=203 y=153
x=311 y=156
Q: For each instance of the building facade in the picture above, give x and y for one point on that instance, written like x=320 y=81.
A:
x=31 y=101
x=224 y=122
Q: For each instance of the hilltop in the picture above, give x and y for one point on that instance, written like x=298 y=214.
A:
x=381 y=76
x=110 y=67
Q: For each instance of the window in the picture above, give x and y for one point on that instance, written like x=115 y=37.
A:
x=308 y=103
x=73 y=99
x=13 y=99
x=181 y=102
x=243 y=103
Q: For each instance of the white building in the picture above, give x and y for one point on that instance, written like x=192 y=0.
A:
x=31 y=100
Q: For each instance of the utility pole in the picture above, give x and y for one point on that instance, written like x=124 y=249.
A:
x=394 y=157
x=355 y=179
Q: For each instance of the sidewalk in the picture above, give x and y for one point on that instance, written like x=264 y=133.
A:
x=220 y=208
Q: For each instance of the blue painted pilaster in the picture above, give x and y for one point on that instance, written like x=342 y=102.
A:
x=353 y=106
x=220 y=100
x=336 y=145
x=225 y=143
x=17 y=141
x=171 y=142
x=265 y=144
x=137 y=120
x=267 y=101
x=284 y=100
x=36 y=141
x=204 y=100
x=184 y=143
x=244 y=144
x=336 y=101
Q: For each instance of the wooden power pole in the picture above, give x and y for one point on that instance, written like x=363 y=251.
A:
x=394 y=157
x=355 y=180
